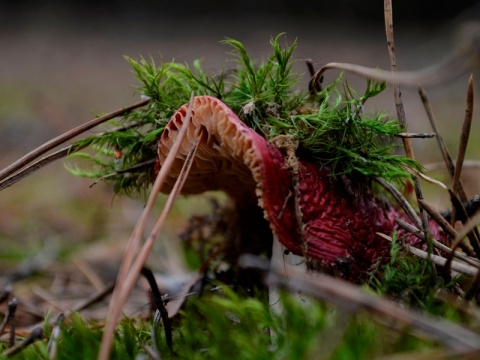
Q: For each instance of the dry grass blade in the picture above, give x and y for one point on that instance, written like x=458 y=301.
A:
x=94 y=298
x=59 y=154
x=472 y=224
x=452 y=169
x=9 y=316
x=457 y=266
x=474 y=236
x=433 y=75
x=84 y=304
x=469 y=226
x=445 y=225
x=44 y=161
x=410 y=228
x=130 y=269
x=435 y=215
x=132 y=246
x=352 y=298
x=459 y=209
x=157 y=299
x=416 y=135
x=441 y=143
x=52 y=346
x=462 y=58
x=131 y=278
x=49 y=145
x=467 y=164
x=407 y=144
x=429 y=179
x=402 y=201
x=438 y=245
x=36 y=334
x=464 y=141
x=393 y=65
x=89 y=273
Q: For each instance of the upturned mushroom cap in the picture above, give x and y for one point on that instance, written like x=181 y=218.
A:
x=335 y=225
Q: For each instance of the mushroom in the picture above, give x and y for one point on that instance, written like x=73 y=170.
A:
x=311 y=213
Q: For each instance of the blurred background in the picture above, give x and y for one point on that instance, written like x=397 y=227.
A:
x=62 y=62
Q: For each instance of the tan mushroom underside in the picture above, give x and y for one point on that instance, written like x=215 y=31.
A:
x=227 y=158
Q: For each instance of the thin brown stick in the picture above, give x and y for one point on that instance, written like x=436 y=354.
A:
x=471 y=260
x=310 y=66
x=410 y=228
x=131 y=278
x=35 y=335
x=133 y=243
x=94 y=298
x=89 y=273
x=474 y=221
x=52 y=345
x=429 y=76
x=415 y=135
x=452 y=67
x=402 y=201
x=137 y=167
x=393 y=66
x=85 y=303
x=459 y=208
x=445 y=225
x=352 y=298
x=37 y=165
x=10 y=315
x=462 y=148
x=474 y=236
x=407 y=144
x=57 y=155
x=433 y=75
x=429 y=179
x=152 y=354
x=435 y=215
x=126 y=277
x=160 y=305
x=49 y=145
x=457 y=266
x=467 y=164
x=441 y=143
x=459 y=188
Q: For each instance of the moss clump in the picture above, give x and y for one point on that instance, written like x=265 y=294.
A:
x=330 y=125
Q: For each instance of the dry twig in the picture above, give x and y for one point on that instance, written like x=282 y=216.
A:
x=49 y=145
x=441 y=143
x=401 y=200
x=464 y=142
x=352 y=298
x=133 y=260
x=52 y=345
x=34 y=335
x=407 y=144
x=10 y=320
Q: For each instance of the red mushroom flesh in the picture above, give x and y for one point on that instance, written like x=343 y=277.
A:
x=331 y=224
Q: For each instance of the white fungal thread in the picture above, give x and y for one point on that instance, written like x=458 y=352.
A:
x=249 y=108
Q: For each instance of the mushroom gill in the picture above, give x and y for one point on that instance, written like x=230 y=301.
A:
x=311 y=214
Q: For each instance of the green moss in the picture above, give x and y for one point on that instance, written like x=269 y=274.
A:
x=330 y=126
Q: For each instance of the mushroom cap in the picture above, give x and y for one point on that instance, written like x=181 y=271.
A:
x=335 y=224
